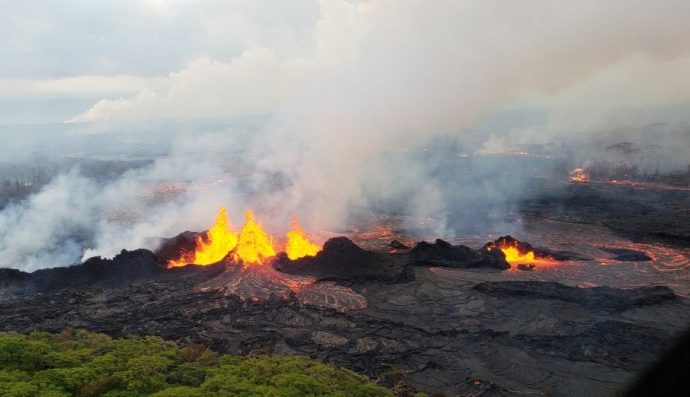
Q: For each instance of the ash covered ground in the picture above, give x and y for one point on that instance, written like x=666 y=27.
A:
x=466 y=327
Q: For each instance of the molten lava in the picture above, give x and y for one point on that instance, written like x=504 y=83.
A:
x=297 y=245
x=250 y=246
x=578 y=175
x=513 y=256
x=220 y=239
x=515 y=251
x=253 y=245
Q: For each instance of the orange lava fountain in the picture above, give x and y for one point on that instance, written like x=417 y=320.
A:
x=220 y=240
x=297 y=245
x=513 y=256
x=250 y=246
x=517 y=253
x=254 y=245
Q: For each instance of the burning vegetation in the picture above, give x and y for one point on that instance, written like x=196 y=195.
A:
x=251 y=245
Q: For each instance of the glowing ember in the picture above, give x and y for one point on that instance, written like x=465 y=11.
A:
x=254 y=245
x=220 y=240
x=297 y=245
x=578 y=175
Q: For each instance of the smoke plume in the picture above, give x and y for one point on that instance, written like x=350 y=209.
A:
x=409 y=105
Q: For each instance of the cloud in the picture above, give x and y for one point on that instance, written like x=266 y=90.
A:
x=253 y=84
x=87 y=86
x=447 y=61
x=47 y=40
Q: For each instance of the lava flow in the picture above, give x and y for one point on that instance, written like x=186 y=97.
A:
x=250 y=246
x=578 y=175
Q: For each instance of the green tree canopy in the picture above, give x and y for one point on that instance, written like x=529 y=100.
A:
x=85 y=364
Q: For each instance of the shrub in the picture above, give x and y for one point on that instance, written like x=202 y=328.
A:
x=84 y=364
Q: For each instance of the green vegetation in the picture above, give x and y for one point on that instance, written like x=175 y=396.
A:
x=80 y=363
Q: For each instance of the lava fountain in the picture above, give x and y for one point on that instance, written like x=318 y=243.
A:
x=514 y=256
x=519 y=253
x=297 y=245
x=247 y=273
x=251 y=245
x=254 y=245
x=220 y=239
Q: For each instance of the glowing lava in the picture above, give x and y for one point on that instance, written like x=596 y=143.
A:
x=297 y=245
x=578 y=175
x=220 y=239
x=254 y=245
x=516 y=252
x=513 y=256
x=250 y=246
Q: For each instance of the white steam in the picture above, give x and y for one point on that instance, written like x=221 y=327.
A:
x=374 y=80
x=46 y=225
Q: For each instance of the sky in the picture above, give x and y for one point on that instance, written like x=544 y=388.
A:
x=127 y=60
x=60 y=58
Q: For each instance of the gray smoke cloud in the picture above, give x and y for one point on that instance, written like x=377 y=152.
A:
x=398 y=105
x=43 y=230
